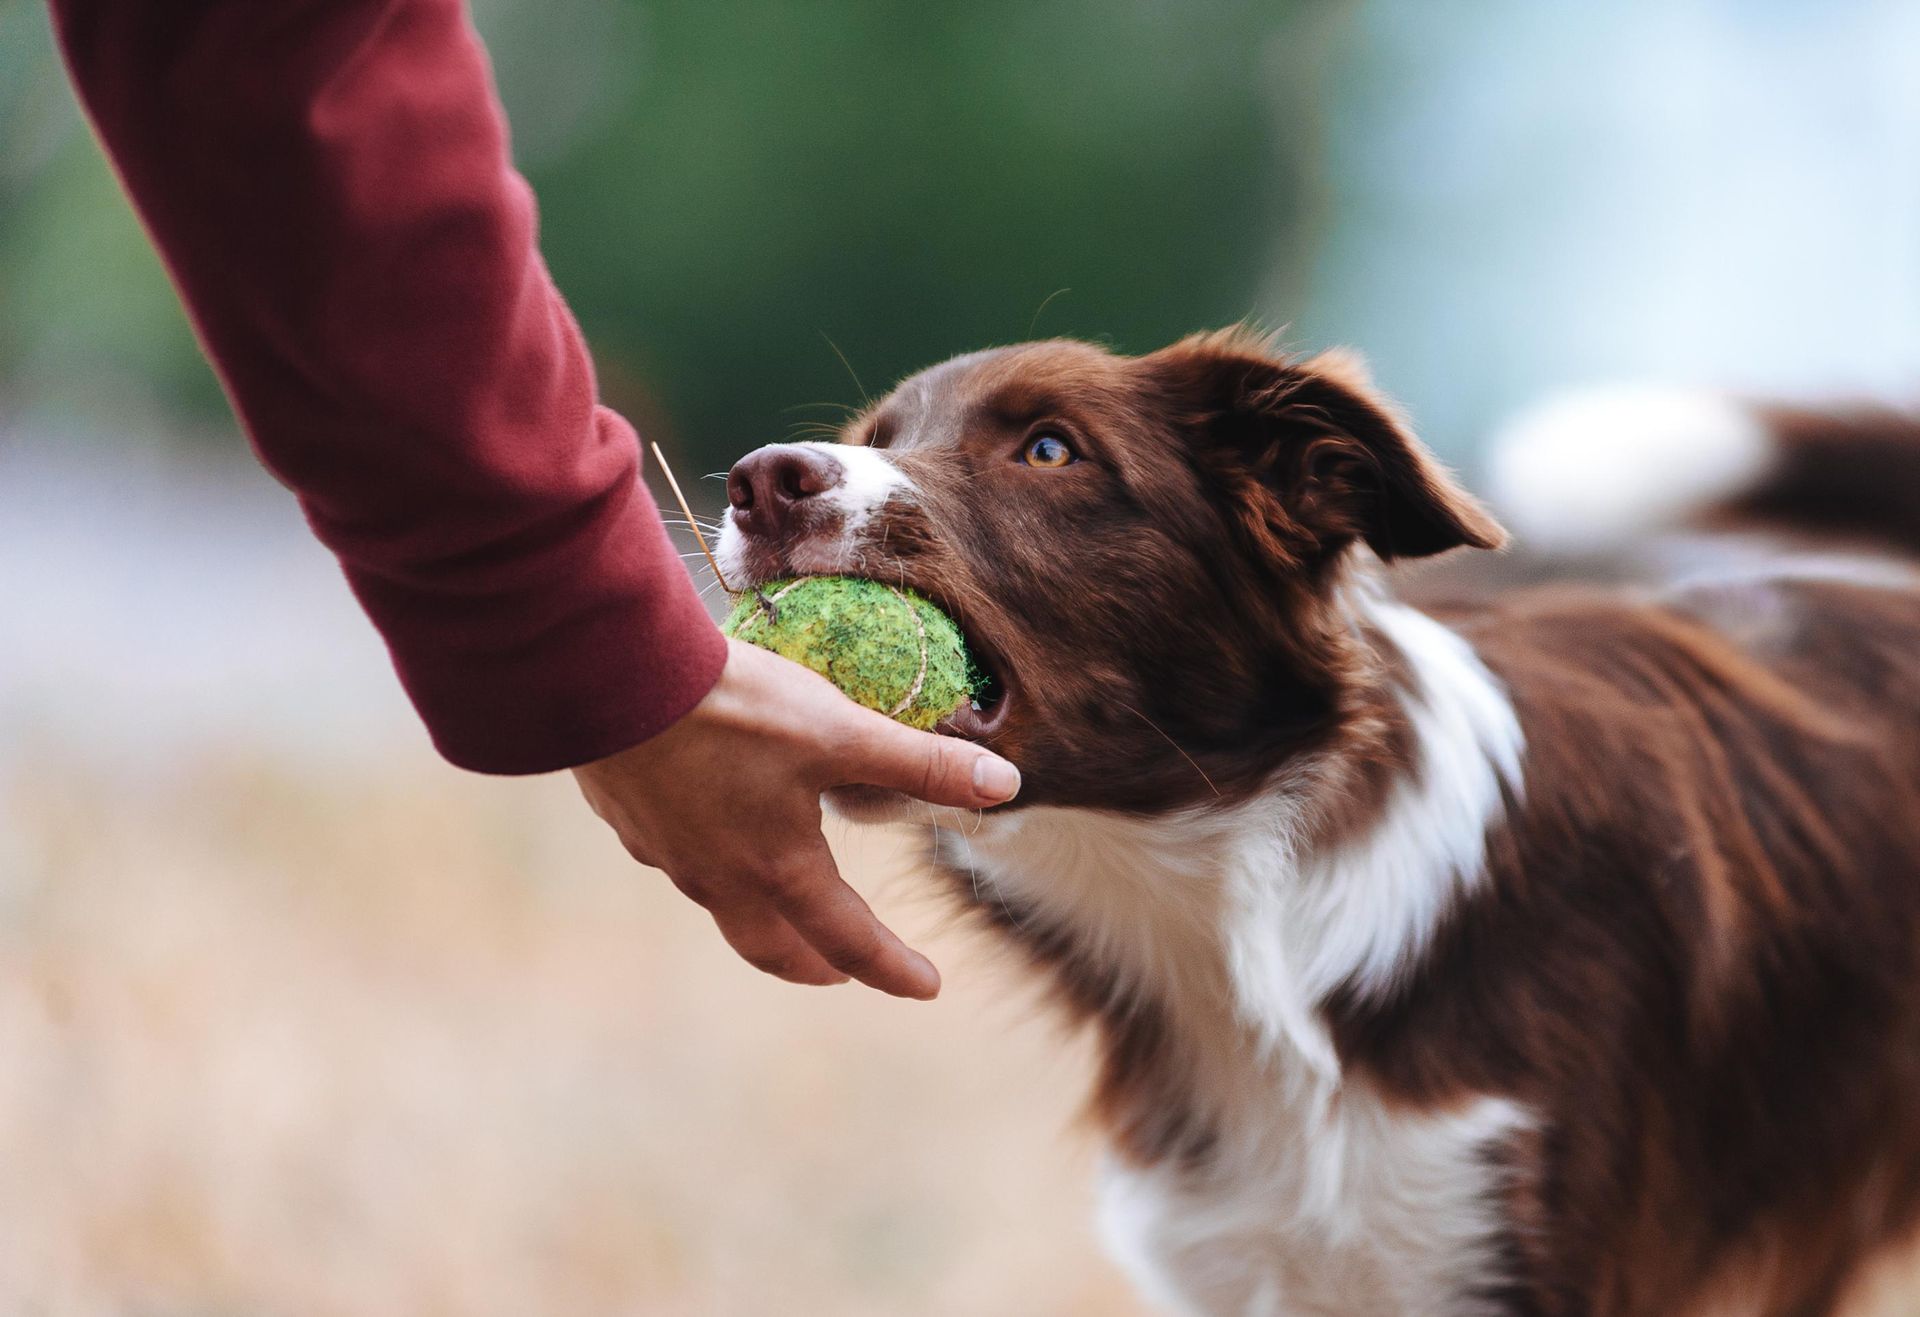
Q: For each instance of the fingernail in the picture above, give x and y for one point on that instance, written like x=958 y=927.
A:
x=995 y=778
x=928 y=986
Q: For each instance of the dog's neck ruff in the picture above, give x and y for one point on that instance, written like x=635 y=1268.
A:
x=1233 y=914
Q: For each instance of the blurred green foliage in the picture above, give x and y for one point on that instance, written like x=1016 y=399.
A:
x=727 y=186
x=1492 y=200
x=91 y=328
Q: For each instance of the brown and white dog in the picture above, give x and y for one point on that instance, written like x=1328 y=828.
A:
x=1554 y=954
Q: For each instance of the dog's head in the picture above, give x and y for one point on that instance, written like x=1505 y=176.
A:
x=1144 y=552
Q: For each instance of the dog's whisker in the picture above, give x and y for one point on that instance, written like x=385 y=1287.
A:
x=865 y=398
x=841 y=407
x=1170 y=741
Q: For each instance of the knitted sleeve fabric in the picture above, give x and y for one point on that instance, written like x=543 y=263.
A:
x=329 y=184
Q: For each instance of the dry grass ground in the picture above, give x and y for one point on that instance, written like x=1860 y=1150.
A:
x=412 y=1042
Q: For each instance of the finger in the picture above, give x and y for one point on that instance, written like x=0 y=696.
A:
x=941 y=770
x=769 y=943
x=820 y=906
x=638 y=851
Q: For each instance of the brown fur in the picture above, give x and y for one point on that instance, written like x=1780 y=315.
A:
x=1851 y=475
x=1697 y=954
x=1699 y=951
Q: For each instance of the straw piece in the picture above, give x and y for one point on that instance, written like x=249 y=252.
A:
x=692 y=524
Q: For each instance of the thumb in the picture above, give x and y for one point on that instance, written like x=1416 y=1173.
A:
x=941 y=770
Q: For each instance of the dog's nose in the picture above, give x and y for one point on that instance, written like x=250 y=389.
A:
x=767 y=484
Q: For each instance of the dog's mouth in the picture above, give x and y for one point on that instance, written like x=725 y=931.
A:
x=984 y=715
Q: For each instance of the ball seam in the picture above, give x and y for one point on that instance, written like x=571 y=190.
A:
x=920 y=677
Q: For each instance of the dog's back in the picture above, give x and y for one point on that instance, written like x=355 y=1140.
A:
x=1703 y=963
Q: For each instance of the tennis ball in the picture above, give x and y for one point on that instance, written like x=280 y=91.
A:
x=887 y=648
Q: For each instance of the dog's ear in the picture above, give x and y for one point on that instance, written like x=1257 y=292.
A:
x=1313 y=457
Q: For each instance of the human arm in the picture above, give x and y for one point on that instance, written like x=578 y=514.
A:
x=330 y=187
x=329 y=184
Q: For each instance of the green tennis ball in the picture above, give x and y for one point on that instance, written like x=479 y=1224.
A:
x=887 y=648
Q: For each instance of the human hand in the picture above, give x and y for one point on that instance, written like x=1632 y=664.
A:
x=727 y=803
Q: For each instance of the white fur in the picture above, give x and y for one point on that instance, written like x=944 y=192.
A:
x=1319 y=1197
x=1744 y=586
x=1360 y=914
x=1362 y=1209
x=869 y=480
x=1597 y=467
x=1704 y=562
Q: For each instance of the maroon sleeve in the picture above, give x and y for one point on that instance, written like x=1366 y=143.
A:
x=329 y=184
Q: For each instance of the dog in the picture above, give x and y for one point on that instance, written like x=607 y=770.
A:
x=1553 y=951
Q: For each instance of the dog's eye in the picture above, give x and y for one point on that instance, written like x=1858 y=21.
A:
x=1048 y=450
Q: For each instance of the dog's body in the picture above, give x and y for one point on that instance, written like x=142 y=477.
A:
x=1557 y=954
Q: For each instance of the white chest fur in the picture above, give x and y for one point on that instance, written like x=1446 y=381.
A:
x=1344 y=1209
x=1318 y=1196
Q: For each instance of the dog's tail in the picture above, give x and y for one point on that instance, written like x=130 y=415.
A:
x=1592 y=471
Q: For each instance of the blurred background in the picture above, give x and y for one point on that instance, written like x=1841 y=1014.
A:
x=293 y=1018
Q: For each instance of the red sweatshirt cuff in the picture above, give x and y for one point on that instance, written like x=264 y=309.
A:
x=594 y=642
